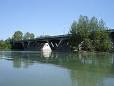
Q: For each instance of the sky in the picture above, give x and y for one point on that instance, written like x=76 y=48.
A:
x=50 y=17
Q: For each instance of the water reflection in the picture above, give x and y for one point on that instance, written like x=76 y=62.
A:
x=85 y=69
x=46 y=54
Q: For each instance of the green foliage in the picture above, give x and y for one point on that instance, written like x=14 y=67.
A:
x=87 y=45
x=8 y=43
x=92 y=32
x=18 y=35
x=4 y=45
x=32 y=36
x=28 y=36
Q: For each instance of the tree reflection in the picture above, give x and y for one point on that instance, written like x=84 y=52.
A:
x=92 y=70
x=86 y=69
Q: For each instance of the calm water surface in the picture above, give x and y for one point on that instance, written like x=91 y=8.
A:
x=56 y=69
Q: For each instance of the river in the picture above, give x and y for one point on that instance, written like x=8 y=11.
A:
x=29 y=68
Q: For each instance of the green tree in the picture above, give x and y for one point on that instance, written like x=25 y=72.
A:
x=28 y=36
x=8 y=43
x=4 y=45
x=18 y=35
x=90 y=34
x=32 y=36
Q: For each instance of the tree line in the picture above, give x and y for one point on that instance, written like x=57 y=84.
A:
x=17 y=36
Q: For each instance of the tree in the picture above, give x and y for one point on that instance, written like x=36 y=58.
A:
x=28 y=36
x=90 y=34
x=8 y=43
x=32 y=36
x=4 y=45
x=18 y=35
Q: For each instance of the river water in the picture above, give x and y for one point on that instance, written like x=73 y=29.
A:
x=56 y=69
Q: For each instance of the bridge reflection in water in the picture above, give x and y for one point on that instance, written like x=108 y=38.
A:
x=85 y=69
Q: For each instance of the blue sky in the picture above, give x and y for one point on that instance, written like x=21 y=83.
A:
x=50 y=17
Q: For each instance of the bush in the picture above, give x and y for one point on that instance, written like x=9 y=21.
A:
x=87 y=45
